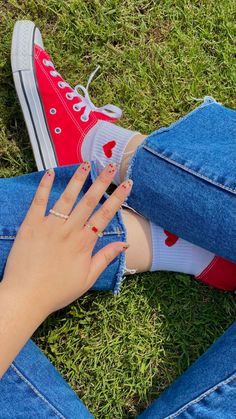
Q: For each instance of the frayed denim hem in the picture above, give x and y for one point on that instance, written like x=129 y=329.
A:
x=121 y=235
x=206 y=101
x=122 y=267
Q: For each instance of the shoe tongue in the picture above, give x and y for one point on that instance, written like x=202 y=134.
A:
x=47 y=56
x=40 y=50
x=38 y=38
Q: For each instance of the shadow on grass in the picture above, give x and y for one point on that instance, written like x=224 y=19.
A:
x=194 y=317
x=153 y=331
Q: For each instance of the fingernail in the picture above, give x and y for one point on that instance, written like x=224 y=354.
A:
x=126 y=246
x=111 y=168
x=49 y=172
x=127 y=184
x=85 y=166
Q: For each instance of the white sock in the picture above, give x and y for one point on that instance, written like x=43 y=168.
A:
x=106 y=143
x=170 y=253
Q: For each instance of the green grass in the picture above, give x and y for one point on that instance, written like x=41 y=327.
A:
x=120 y=353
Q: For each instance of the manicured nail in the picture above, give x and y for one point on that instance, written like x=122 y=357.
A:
x=126 y=246
x=49 y=172
x=111 y=168
x=85 y=166
x=127 y=184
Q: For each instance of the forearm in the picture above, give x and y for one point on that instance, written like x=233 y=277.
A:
x=19 y=318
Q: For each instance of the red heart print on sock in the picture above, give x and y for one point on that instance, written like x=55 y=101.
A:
x=107 y=148
x=171 y=238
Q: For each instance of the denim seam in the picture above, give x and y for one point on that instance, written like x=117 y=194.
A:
x=36 y=391
x=213 y=182
x=121 y=270
x=201 y=397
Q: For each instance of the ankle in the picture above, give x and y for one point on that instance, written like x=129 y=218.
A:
x=129 y=152
x=139 y=254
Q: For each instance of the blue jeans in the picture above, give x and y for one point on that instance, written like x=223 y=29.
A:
x=191 y=194
x=185 y=178
x=32 y=387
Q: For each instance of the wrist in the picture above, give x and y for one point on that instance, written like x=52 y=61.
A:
x=19 y=318
x=24 y=301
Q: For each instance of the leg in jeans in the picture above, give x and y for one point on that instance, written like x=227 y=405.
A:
x=42 y=390
x=32 y=387
x=184 y=176
x=206 y=390
x=26 y=371
x=184 y=181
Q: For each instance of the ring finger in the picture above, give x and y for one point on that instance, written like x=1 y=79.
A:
x=101 y=218
x=91 y=198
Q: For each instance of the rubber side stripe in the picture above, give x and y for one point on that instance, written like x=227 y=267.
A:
x=32 y=119
x=36 y=83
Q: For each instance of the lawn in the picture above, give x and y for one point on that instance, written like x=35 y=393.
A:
x=120 y=353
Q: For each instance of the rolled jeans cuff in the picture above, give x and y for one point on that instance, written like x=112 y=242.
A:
x=184 y=178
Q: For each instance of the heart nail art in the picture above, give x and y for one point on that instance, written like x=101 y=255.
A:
x=171 y=238
x=107 y=148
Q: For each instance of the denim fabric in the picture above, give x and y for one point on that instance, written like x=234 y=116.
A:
x=32 y=387
x=185 y=178
x=192 y=194
x=15 y=197
x=206 y=390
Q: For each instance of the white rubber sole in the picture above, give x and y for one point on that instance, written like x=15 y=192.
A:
x=25 y=35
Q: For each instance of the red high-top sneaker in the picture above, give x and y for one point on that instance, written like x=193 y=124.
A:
x=57 y=116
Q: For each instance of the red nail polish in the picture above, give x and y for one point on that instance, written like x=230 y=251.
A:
x=127 y=184
x=111 y=168
x=49 y=172
x=85 y=166
x=126 y=246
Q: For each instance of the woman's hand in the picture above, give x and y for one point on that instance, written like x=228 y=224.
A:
x=51 y=259
x=51 y=262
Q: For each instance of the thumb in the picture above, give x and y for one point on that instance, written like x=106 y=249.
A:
x=103 y=258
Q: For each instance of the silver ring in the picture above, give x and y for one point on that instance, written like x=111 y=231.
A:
x=59 y=214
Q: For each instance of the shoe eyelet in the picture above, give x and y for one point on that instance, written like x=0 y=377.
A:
x=57 y=130
x=53 y=73
x=45 y=62
x=61 y=84
x=68 y=96
x=84 y=118
x=76 y=109
x=53 y=111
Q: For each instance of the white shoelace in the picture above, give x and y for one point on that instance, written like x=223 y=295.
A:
x=85 y=101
